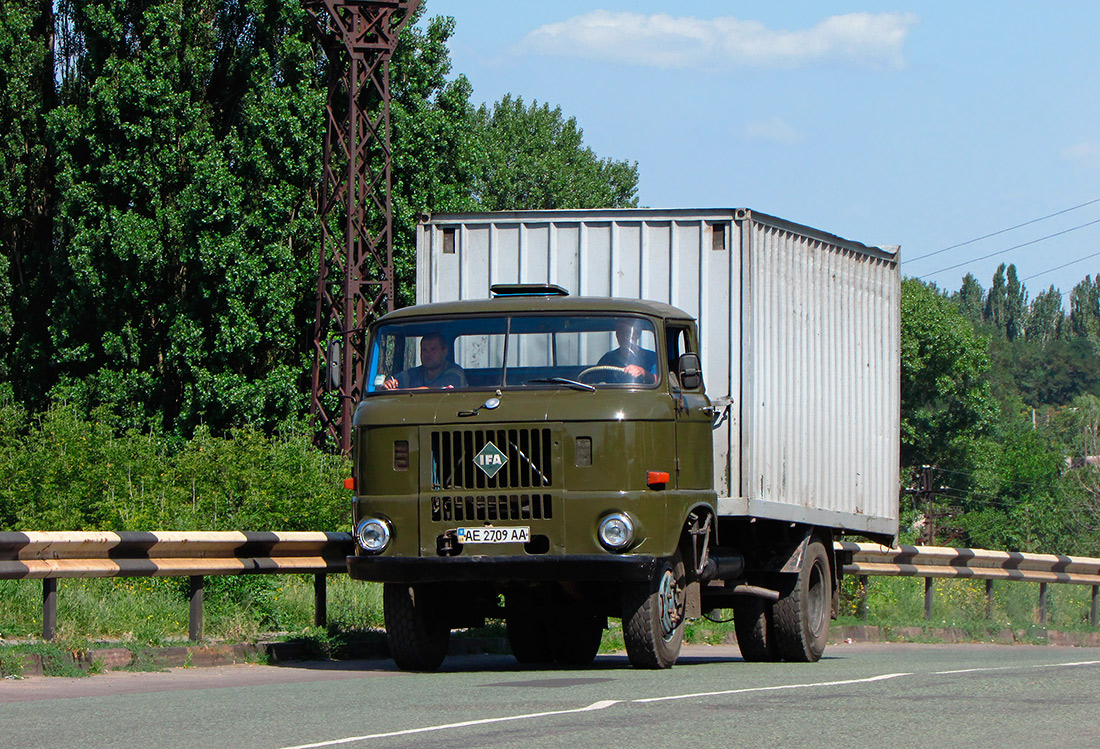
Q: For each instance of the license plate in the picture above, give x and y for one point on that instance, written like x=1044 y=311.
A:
x=490 y=535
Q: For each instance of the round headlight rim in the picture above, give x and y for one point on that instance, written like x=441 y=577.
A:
x=628 y=527
x=386 y=533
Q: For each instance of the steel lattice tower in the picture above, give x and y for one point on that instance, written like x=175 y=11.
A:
x=355 y=275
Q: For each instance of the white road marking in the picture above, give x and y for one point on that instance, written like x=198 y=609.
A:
x=408 y=732
x=602 y=704
x=1015 y=668
x=775 y=688
x=975 y=670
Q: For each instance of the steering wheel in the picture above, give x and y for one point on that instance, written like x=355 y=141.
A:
x=618 y=374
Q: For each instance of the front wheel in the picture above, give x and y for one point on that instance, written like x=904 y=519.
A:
x=804 y=608
x=653 y=617
x=416 y=625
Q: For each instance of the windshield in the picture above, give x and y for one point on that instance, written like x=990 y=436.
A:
x=513 y=351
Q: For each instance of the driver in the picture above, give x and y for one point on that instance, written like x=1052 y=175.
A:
x=638 y=362
x=436 y=369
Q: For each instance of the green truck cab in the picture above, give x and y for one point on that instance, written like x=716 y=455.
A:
x=540 y=458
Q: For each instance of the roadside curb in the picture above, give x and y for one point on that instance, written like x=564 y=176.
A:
x=367 y=647
x=954 y=635
x=372 y=646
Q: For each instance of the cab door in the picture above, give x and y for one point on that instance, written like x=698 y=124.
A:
x=694 y=444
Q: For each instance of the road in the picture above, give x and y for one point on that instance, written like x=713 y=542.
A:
x=904 y=695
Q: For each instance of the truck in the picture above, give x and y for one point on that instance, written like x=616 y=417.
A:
x=639 y=414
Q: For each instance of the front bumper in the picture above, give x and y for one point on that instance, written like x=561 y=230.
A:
x=576 y=568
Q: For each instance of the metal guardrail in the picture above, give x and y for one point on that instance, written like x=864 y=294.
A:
x=931 y=562
x=49 y=556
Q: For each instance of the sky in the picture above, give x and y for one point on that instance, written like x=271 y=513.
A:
x=925 y=125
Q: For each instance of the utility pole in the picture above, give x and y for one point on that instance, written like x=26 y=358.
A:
x=926 y=492
x=355 y=274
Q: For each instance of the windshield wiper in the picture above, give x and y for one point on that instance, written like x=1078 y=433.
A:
x=564 y=381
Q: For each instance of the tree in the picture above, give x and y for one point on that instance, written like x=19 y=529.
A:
x=995 y=300
x=970 y=298
x=185 y=242
x=174 y=276
x=1006 y=303
x=946 y=408
x=25 y=93
x=1023 y=510
x=1015 y=306
x=535 y=158
x=1084 y=309
x=1045 y=317
x=436 y=151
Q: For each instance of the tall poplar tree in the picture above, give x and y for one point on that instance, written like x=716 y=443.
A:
x=26 y=82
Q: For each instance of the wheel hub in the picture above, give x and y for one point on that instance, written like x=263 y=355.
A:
x=668 y=599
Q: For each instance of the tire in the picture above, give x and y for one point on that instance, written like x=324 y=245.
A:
x=804 y=608
x=653 y=617
x=576 y=635
x=416 y=626
x=524 y=616
x=753 y=622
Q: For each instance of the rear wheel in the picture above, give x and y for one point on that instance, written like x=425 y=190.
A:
x=803 y=610
x=753 y=623
x=576 y=635
x=524 y=615
x=416 y=625
x=653 y=617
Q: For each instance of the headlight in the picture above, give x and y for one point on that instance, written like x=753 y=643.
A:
x=373 y=535
x=616 y=531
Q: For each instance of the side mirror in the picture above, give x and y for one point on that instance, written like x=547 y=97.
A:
x=335 y=354
x=691 y=372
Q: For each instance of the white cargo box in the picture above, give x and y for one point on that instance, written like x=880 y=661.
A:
x=799 y=335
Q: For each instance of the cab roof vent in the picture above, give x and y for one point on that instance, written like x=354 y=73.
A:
x=527 y=289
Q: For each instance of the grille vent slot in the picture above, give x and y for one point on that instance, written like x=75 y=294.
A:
x=528 y=451
x=504 y=507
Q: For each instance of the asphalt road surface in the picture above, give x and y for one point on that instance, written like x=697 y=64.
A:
x=858 y=695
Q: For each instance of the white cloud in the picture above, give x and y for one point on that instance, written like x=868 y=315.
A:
x=775 y=130
x=1086 y=154
x=660 y=40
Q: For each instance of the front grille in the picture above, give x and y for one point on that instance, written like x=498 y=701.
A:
x=527 y=452
x=504 y=507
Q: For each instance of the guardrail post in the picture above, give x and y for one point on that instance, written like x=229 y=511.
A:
x=320 y=600
x=49 y=607
x=1043 y=604
x=928 y=590
x=194 y=622
x=1095 y=605
x=861 y=610
x=989 y=599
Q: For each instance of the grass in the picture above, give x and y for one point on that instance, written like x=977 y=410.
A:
x=895 y=602
x=154 y=611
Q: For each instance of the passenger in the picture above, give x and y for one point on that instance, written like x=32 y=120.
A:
x=436 y=369
x=638 y=362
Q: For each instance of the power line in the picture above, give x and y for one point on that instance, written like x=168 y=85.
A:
x=1010 y=249
x=1002 y=231
x=1064 y=265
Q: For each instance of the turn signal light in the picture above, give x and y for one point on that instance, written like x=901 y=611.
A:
x=655 y=478
x=349 y=484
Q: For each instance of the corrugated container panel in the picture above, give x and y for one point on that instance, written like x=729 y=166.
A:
x=822 y=390
x=799 y=331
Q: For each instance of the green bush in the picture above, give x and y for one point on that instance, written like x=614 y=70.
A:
x=62 y=470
